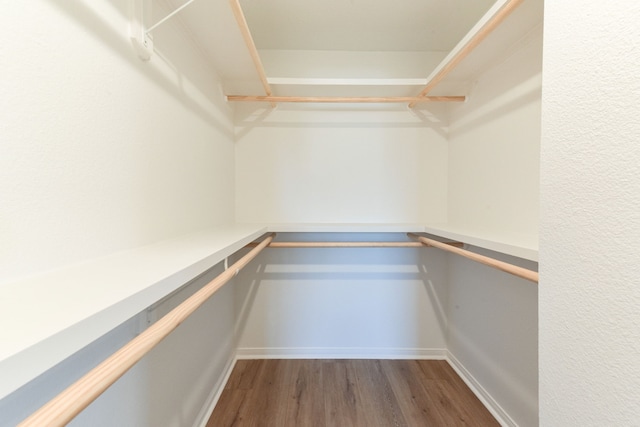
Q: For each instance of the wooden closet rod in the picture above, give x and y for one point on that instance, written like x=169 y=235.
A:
x=65 y=406
x=491 y=262
x=345 y=99
x=248 y=39
x=350 y=244
x=471 y=44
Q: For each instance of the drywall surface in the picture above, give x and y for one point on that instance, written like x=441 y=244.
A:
x=168 y=387
x=590 y=215
x=100 y=151
x=347 y=302
x=336 y=166
x=494 y=149
x=493 y=334
x=493 y=191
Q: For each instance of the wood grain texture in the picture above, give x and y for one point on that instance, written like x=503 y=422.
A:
x=347 y=393
x=271 y=393
x=306 y=394
x=343 y=403
x=377 y=397
x=408 y=384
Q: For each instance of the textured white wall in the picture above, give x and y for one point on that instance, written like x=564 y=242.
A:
x=590 y=215
x=338 y=166
x=100 y=152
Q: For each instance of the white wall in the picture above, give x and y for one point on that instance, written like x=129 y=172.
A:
x=493 y=190
x=348 y=302
x=101 y=152
x=590 y=215
x=340 y=166
x=494 y=149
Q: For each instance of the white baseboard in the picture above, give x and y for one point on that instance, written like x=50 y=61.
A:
x=341 y=353
x=214 y=396
x=481 y=393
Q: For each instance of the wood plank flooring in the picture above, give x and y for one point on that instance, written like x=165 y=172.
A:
x=347 y=393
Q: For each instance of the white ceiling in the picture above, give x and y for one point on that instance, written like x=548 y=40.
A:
x=362 y=25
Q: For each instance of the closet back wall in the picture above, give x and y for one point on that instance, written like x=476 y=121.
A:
x=340 y=166
x=343 y=302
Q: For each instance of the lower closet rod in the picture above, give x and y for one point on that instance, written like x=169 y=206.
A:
x=60 y=410
x=491 y=262
x=350 y=244
x=342 y=244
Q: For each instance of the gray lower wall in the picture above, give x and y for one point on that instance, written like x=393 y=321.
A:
x=493 y=332
x=168 y=387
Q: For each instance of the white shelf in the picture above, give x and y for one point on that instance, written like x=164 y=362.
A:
x=345 y=228
x=518 y=245
x=60 y=312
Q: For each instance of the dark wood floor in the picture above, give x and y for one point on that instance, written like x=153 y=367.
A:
x=344 y=393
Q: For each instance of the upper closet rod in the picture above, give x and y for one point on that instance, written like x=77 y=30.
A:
x=491 y=262
x=465 y=47
x=345 y=99
x=253 y=50
x=66 y=405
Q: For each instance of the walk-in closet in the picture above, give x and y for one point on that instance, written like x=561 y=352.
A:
x=327 y=213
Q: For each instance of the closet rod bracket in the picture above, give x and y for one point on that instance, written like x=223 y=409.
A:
x=139 y=34
x=169 y=16
x=141 y=41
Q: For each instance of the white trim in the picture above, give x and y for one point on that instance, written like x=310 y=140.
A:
x=341 y=353
x=205 y=413
x=481 y=393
